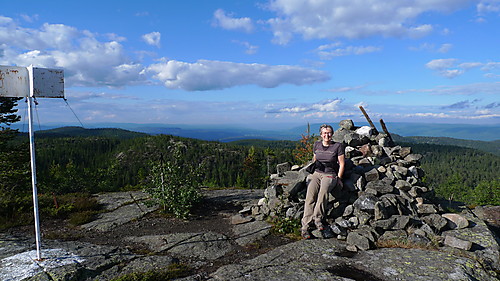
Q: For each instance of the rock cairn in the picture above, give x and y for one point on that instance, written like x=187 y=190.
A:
x=383 y=196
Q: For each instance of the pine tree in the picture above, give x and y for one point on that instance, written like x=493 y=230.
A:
x=14 y=157
x=487 y=192
x=251 y=168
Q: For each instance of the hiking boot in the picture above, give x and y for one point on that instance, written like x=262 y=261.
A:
x=326 y=232
x=305 y=234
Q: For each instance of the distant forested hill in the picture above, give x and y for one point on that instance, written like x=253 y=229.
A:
x=486 y=146
x=73 y=131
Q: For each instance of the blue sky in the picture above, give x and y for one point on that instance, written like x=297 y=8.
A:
x=261 y=64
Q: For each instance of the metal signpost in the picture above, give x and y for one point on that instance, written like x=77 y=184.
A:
x=32 y=82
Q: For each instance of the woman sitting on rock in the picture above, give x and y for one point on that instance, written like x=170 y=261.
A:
x=329 y=161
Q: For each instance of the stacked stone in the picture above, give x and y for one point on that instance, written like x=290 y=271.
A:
x=383 y=195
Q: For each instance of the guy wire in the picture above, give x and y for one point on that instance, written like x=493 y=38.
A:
x=25 y=118
x=73 y=112
x=36 y=110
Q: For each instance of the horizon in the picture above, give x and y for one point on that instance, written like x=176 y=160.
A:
x=262 y=65
x=404 y=129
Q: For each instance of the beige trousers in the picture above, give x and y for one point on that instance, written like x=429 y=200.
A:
x=317 y=198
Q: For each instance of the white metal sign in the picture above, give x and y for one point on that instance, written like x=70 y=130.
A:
x=15 y=82
x=48 y=83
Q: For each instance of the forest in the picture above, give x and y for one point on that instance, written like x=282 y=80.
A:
x=97 y=164
x=114 y=159
x=73 y=159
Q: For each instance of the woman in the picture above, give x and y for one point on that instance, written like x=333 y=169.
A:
x=330 y=161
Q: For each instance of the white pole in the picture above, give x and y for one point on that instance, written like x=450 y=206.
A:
x=33 y=166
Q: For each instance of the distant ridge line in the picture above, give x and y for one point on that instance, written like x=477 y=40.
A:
x=225 y=133
x=75 y=131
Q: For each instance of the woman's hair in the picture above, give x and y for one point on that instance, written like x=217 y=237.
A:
x=325 y=126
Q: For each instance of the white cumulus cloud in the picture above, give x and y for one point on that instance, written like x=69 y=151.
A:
x=86 y=60
x=206 y=75
x=319 y=19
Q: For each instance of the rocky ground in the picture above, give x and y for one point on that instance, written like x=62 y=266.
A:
x=216 y=244
x=131 y=226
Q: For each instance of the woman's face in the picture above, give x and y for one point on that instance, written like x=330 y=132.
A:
x=326 y=135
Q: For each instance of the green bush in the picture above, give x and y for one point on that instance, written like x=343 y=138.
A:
x=173 y=187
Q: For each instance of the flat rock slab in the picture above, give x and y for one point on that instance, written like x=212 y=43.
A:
x=209 y=245
x=285 y=273
x=140 y=264
x=124 y=207
x=233 y=196
x=63 y=261
x=24 y=264
x=112 y=200
x=294 y=261
x=11 y=245
x=250 y=232
x=327 y=260
x=416 y=264
x=119 y=216
x=491 y=215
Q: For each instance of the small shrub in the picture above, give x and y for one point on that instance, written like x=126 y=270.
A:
x=62 y=212
x=287 y=227
x=172 y=187
x=303 y=153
